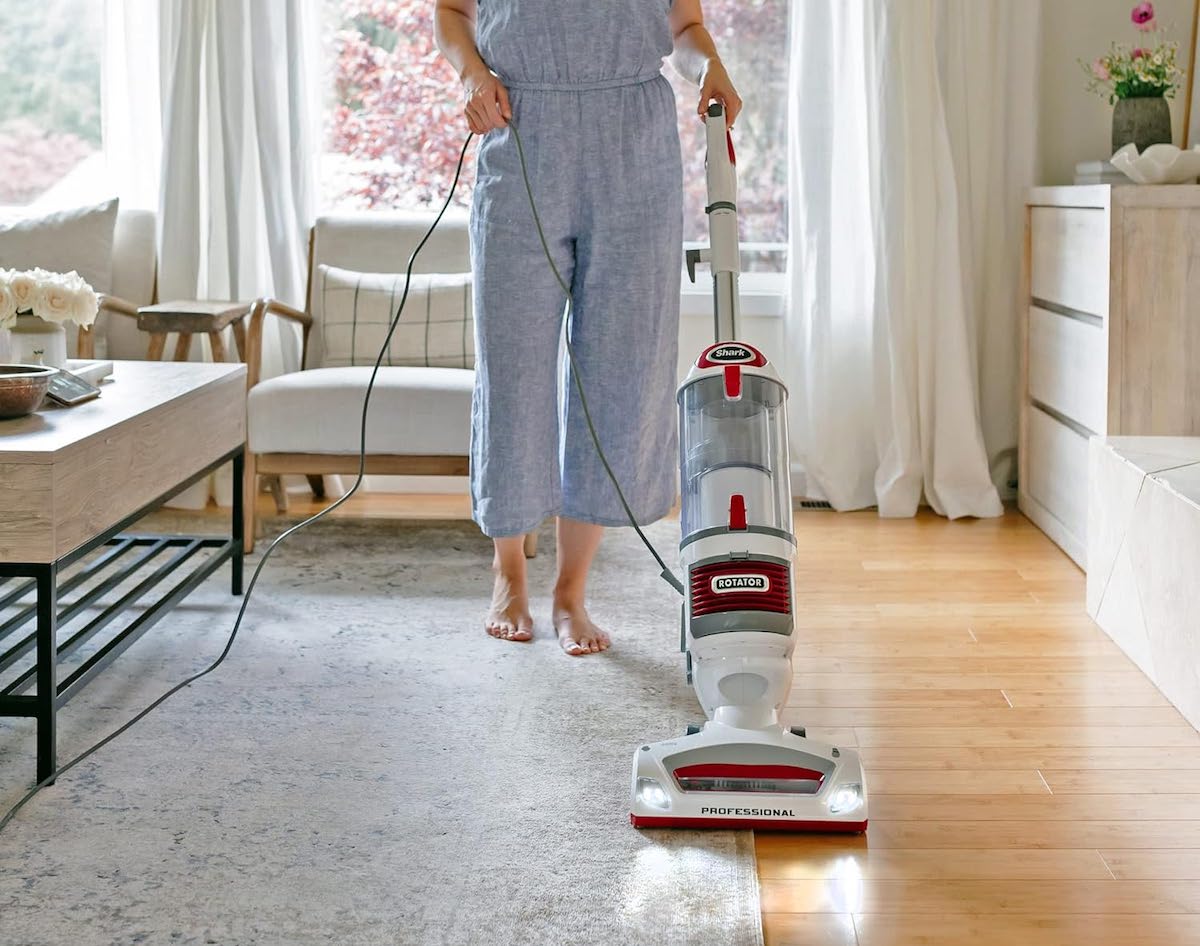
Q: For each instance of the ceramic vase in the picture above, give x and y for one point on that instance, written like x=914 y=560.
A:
x=1141 y=121
x=36 y=342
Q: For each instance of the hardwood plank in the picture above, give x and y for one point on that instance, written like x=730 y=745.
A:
x=885 y=697
x=1153 y=865
x=1038 y=737
x=1132 y=680
x=1092 y=782
x=965 y=664
x=808 y=929
x=1141 y=695
x=1021 y=835
x=783 y=857
x=818 y=629
x=984 y=614
x=956 y=781
x=998 y=716
x=850 y=894
x=1033 y=563
x=1102 y=758
x=1045 y=807
x=960 y=646
x=1048 y=929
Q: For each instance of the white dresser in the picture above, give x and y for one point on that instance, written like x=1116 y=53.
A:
x=1110 y=336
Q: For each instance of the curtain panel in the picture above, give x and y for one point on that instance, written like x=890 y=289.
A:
x=911 y=143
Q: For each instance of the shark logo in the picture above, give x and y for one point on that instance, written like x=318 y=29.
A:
x=731 y=355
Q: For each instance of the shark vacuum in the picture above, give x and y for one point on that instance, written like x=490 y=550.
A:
x=743 y=768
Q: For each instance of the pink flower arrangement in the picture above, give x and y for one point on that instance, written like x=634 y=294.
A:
x=1143 y=17
x=1138 y=72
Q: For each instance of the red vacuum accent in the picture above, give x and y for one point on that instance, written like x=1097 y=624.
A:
x=729 y=141
x=706 y=601
x=733 y=770
x=737 y=512
x=733 y=382
x=756 y=360
x=756 y=824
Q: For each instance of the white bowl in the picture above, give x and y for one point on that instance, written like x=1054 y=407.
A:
x=1158 y=164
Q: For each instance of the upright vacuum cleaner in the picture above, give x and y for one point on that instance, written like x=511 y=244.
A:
x=743 y=768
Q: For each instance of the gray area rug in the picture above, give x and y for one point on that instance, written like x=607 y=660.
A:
x=369 y=768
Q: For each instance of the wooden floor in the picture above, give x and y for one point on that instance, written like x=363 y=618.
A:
x=1029 y=786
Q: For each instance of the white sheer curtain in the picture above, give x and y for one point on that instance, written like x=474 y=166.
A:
x=131 y=112
x=211 y=117
x=239 y=149
x=912 y=140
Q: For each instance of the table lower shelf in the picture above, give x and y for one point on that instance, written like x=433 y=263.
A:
x=149 y=573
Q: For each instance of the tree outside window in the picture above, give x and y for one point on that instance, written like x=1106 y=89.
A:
x=49 y=94
x=394 y=125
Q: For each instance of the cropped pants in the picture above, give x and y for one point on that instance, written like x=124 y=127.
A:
x=604 y=164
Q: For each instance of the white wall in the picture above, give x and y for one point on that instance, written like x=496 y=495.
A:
x=1074 y=124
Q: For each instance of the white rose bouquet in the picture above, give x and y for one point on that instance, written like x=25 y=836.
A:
x=52 y=297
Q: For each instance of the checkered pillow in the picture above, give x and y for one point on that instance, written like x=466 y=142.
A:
x=354 y=310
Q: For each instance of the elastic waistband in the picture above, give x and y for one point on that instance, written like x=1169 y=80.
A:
x=596 y=86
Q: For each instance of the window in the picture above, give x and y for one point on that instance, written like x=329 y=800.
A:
x=393 y=125
x=49 y=95
x=752 y=36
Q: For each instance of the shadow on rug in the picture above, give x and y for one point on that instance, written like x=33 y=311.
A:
x=370 y=768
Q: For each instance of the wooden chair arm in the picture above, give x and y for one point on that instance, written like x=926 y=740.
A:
x=258 y=314
x=118 y=305
x=85 y=343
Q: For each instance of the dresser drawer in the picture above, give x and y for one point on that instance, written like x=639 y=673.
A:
x=1068 y=367
x=1069 y=257
x=1057 y=469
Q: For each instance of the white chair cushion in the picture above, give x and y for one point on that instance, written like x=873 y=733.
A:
x=380 y=241
x=414 y=412
x=134 y=257
x=80 y=239
x=353 y=311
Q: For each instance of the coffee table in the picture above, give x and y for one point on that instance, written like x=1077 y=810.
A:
x=75 y=479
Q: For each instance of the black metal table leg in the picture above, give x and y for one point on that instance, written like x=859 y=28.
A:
x=238 y=525
x=47 y=669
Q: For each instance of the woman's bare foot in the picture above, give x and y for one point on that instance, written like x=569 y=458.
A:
x=508 y=617
x=577 y=634
x=577 y=544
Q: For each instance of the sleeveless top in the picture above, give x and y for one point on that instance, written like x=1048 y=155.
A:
x=567 y=44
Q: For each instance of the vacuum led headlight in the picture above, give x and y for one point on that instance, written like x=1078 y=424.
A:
x=649 y=792
x=845 y=798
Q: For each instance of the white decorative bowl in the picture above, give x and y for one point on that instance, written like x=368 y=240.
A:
x=1158 y=164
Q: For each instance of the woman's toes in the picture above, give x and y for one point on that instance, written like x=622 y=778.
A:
x=576 y=632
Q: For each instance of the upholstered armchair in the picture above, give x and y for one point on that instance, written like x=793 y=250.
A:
x=308 y=421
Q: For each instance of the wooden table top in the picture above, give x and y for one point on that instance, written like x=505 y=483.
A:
x=71 y=473
x=137 y=388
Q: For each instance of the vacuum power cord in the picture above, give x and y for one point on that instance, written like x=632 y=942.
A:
x=362 y=461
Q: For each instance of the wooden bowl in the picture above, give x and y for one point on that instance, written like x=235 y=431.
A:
x=22 y=388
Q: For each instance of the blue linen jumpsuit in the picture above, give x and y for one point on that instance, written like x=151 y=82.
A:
x=598 y=123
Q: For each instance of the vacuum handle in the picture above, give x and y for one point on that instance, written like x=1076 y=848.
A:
x=725 y=257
